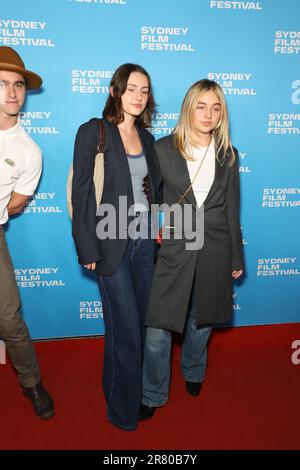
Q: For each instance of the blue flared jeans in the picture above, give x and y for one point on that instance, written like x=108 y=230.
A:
x=156 y=371
x=124 y=297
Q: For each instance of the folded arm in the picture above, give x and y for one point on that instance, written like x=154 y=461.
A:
x=16 y=203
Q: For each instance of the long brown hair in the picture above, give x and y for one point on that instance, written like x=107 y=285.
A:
x=184 y=129
x=113 y=110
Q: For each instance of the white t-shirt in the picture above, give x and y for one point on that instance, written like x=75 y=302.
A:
x=205 y=177
x=20 y=166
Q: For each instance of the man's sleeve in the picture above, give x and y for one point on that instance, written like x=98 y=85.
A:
x=29 y=179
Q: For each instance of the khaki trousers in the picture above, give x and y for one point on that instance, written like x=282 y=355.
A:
x=13 y=330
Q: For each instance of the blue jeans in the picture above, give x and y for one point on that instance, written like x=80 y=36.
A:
x=124 y=298
x=156 y=373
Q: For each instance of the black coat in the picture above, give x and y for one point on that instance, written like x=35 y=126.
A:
x=107 y=253
x=210 y=267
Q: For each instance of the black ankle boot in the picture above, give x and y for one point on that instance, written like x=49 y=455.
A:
x=193 y=388
x=41 y=401
x=146 y=412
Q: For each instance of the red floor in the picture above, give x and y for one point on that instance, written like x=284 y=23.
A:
x=250 y=399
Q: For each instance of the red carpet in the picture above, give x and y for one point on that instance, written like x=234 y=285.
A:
x=250 y=399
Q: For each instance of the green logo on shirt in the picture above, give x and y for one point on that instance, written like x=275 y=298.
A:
x=9 y=162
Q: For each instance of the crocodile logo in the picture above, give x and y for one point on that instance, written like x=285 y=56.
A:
x=9 y=162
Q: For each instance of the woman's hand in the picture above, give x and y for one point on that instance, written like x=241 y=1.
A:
x=91 y=266
x=237 y=274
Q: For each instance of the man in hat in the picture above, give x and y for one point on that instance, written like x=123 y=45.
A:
x=20 y=170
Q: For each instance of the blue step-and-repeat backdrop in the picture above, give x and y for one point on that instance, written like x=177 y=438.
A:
x=251 y=48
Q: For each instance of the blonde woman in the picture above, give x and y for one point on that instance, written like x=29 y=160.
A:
x=192 y=288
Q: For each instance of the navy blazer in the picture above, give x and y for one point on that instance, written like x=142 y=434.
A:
x=106 y=253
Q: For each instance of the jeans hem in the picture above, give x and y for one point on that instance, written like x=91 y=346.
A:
x=192 y=379
x=121 y=426
x=154 y=405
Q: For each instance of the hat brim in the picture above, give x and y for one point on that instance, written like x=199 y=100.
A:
x=33 y=80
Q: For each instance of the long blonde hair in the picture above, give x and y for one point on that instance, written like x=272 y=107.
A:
x=183 y=131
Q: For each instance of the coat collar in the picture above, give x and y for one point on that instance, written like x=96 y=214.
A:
x=120 y=153
x=117 y=140
x=219 y=165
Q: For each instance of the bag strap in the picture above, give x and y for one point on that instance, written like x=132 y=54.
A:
x=100 y=146
x=191 y=185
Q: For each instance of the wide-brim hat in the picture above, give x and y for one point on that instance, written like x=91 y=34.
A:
x=11 y=61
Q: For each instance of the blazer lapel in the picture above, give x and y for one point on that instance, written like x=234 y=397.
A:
x=149 y=160
x=121 y=156
x=185 y=181
x=218 y=172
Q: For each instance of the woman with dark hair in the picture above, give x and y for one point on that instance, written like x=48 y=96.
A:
x=122 y=259
x=192 y=286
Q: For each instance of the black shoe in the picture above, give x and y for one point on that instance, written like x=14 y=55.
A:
x=193 y=388
x=41 y=401
x=146 y=412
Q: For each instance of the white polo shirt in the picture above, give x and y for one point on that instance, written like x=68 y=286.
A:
x=20 y=166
